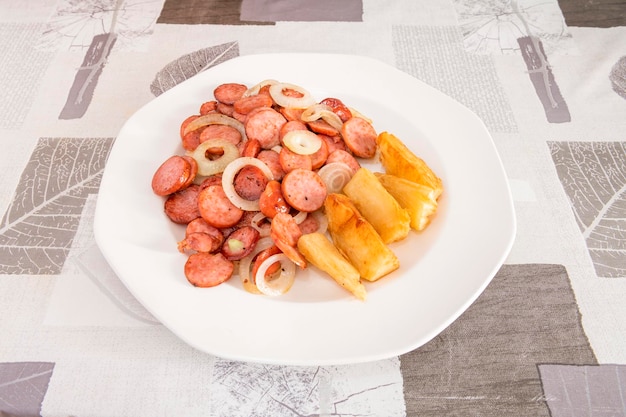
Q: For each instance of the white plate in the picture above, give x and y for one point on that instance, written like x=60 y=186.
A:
x=443 y=270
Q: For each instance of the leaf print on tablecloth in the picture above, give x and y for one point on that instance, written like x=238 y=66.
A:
x=23 y=386
x=593 y=175
x=191 y=64
x=618 y=77
x=39 y=225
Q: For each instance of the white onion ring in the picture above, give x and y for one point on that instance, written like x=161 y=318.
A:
x=335 y=176
x=207 y=167
x=300 y=217
x=246 y=263
x=276 y=91
x=216 y=119
x=356 y=113
x=254 y=90
x=264 y=231
x=228 y=179
x=280 y=285
x=302 y=142
x=324 y=112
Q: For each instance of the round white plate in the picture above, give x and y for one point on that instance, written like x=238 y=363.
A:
x=443 y=269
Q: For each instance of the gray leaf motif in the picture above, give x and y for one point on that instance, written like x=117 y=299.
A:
x=618 y=77
x=39 y=225
x=23 y=386
x=191 y=64
x=593 y=175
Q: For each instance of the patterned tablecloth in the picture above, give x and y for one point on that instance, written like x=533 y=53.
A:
x=546 y=338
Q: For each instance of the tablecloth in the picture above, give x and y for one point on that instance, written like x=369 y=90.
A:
x=546 y=338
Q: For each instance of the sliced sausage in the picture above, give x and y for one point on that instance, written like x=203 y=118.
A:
x=182 y=206
x=360 y=137
x=205 y=269
x=346 y=158
x=290 y=160
x=322 y=127
x=338 y=108
x=193 y=164
x=228 y=93
x=208 y=107
x=291 y=125
x=226 y=109
x=319 y=158
x=183 y=125
x=215 y=179
x=272 y=201
x=333 y=142
x=201 y=237
x=304 y=190
x=291 y=113
x=250 y=182
x=309 y=225
x=216 y=208
x=240 y=243
x=264 y=125
x=218 y=131
x=246 y=104
x=285 y=234
x=251 y=148
x=272 y=160
x=172 y=175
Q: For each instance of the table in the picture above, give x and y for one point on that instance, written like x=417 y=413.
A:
x=546 y=337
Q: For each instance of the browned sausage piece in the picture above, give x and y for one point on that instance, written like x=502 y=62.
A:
x=216 y=208
x=272 y=201
x=346 y=158
x=171 y=176
x=228 y=93
x=226 y=109
x=191 y=140
x=333 y=143
x=194 y=170
x=205 y=269
x=240 y=243
x=322 y=127
x=183 y=125
x=360 y=137
x=182 y=206
x=304 y=190
x=264 y=124
x=291 y=113
x=285 y=234
x=201 y=237
x=338 y=108
x=250 y=182
x=272 y=160
x=217 y=131
x=246 y=104
x=211 y=180
x=319 y=158
x=251 y=148
x=290 y=160
x=208 y=107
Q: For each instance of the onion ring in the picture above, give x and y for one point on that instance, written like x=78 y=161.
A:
x=228 y=180
x=216 y=119
x=264 y=231
x=324 y=112
x=207 y=167
x=254 y=90
x=280 y=285
x=302 y=142
x=246 y=263
x=276 y=91
x=335 y=176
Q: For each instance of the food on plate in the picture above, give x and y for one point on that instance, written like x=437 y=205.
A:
x=417 y=199
x=398 y=160
x=357 y=239
x=322 y=253
x=270 y=181
x=389 y=219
